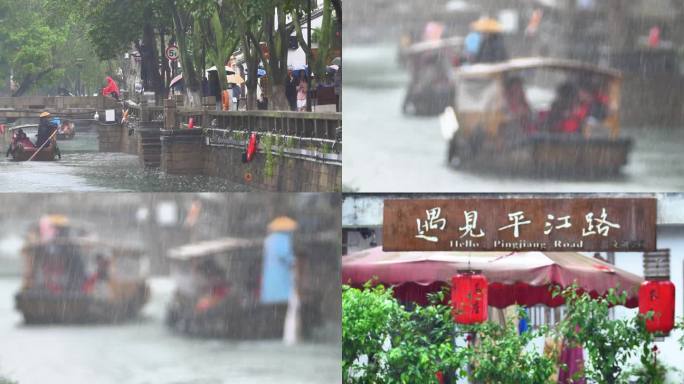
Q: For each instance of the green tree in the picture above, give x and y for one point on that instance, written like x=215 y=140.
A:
x=325 y=39
x=30 y=42
x=217 y=24
x=250 y=33
x=115 y=26
x=382 y=342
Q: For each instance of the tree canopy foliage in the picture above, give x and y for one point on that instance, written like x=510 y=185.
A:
x=41 y=40
x=39 y=50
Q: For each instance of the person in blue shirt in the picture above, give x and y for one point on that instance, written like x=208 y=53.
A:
x=279 y=278
x=278 y=267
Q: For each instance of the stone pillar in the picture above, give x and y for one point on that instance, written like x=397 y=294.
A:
x=169 y=114
x=182 y=152
x=208 y=104
x=145 y=114
x=109 y=137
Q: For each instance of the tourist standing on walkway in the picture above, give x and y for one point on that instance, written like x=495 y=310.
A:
x=302 y=91
x=291 y=89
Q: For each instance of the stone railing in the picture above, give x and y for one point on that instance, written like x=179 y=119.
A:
x=295 y=151
x=58 y=102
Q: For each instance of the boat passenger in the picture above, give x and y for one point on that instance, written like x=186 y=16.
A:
x=566 y=114
x=20 y=138
x=517 y=109
x=97 y=282
x=593 y=99
x=217 y=286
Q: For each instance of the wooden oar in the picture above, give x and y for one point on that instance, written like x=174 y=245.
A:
x=43 y=146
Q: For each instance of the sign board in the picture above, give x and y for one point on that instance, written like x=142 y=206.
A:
x=520 y=224
x=110 y=115
x=172 y=53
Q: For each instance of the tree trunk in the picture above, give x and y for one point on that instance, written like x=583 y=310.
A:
x=150 y=47
x=190 y=76
x=30 y=81
x=252 y=60
x=165 y=70
x=277 y=63
x=193 y=98
x=278 y=100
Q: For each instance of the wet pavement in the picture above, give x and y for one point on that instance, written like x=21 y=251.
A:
x=386 y=151
x=82 y=169
x=145 y=351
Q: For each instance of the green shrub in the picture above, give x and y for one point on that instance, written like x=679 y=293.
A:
x=504 y=356
x=383 y=342
x=610 y=343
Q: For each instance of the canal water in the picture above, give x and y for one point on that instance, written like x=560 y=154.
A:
x=382 y=144
x=145 y=351
x=82 y=169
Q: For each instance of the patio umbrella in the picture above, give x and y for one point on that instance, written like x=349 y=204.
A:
x=297 y=70
x=514 y=277
x=228 y=70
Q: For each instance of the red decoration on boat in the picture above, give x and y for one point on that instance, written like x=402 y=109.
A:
x=469 y=298
x=659 y=297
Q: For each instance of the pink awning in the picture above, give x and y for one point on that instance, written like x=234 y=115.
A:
x=514 y=277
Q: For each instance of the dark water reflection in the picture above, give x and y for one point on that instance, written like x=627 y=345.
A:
x=82 y=169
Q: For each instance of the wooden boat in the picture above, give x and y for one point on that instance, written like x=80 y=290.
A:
x=487 y=135
x=430 y=64
x=71 y=277
x=233 y=312
x=22 y=148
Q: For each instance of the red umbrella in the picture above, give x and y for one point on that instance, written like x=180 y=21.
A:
x=514 y=277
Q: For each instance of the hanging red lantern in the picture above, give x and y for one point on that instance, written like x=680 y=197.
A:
x=658 y=296
x=469 y=298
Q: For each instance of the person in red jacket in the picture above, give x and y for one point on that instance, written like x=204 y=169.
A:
x=566 y=114
x=111 y=89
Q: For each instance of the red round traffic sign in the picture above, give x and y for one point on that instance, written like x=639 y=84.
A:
x=172 y=53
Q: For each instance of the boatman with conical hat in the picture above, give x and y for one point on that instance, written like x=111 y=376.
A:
x=46 y=129
x=279 y=281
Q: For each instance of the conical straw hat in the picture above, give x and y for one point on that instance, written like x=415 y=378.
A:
x=282 y=224
x=57 y=220
x=486 y=25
